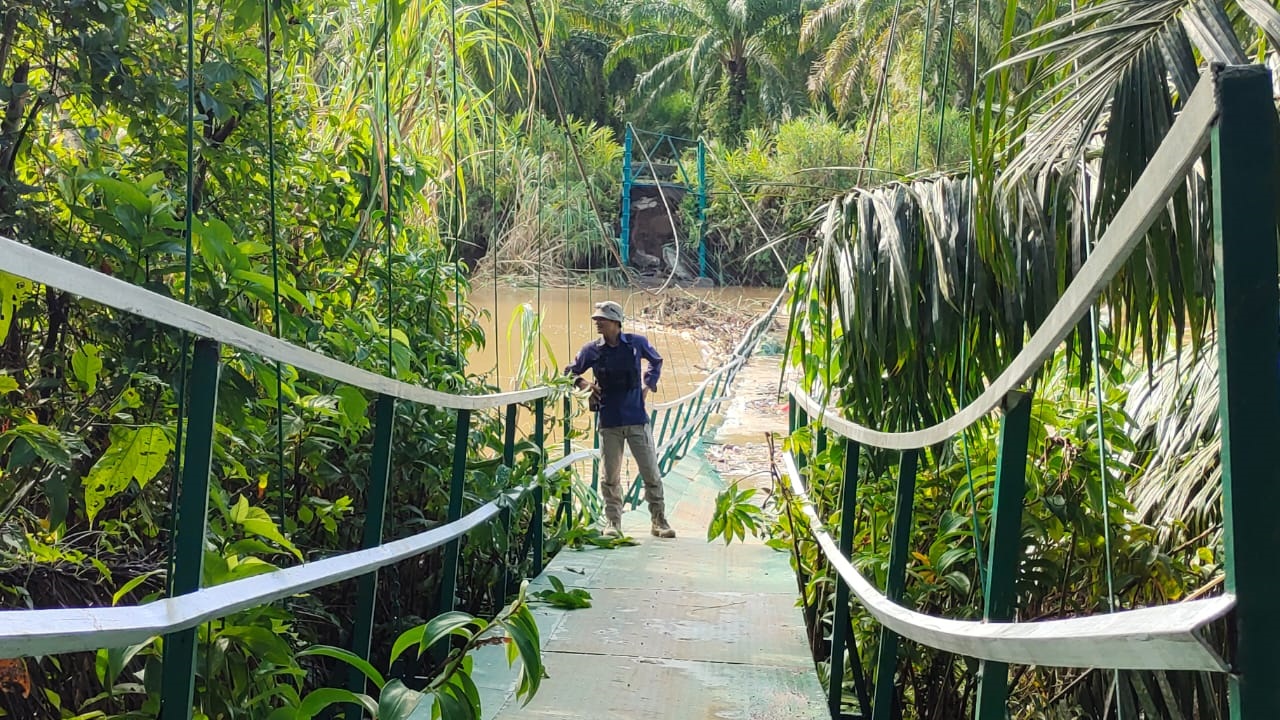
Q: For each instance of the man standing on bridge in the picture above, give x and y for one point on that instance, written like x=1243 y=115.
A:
x=618 y=394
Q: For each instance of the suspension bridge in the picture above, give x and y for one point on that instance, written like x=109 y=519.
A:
x=595 y=664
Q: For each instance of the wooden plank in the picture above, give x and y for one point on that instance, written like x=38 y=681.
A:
x=1181 y=149
x=1159 y=638
x=28 y=262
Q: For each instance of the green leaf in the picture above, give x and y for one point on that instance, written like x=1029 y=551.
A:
x=132 y=584
x=523 y=630
x=958 y=582
x=14 y=292
x=86 y=363
x=267 y=283
x=112 y=661
x=561 y=597
x=398 y=702
x=950 y=556
x=349 y=658
x=115 y=192
x=318 y=700
x=135 y=454
x=354 y=406
x=458 y=698
x=256 y=521
x=424 y=636
x=7 y=384
x=260 y=643
x=44 y=441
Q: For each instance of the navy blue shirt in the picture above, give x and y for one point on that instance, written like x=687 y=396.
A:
x=617 y=372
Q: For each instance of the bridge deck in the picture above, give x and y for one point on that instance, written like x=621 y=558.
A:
x=678 y=629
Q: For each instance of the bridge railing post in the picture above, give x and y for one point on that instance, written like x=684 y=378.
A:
x=539 y=438
x=887 y=661
x=178 y=682
x=375 y=510
x=509 y=461
x=1006 y=538
x=566 y=498
x=1245 y=188
x=715 y=396
x=840 y=627
x=457 y=488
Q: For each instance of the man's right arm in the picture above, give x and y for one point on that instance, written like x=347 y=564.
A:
x=580 y=365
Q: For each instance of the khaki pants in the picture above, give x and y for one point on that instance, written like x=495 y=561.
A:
x=646 y=455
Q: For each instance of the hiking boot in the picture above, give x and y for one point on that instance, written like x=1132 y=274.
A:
x=612 y=530
x=660 y=527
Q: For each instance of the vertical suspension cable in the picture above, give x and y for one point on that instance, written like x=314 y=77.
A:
x=872 y=141
x=188 y=228
x=537 y=238
x=942 y=94
x=970 y=249
x=565 y=231
x=1102 y=440
x=278 y=324
x=493 y=188
x=456 y=201
x=387 y=212
x=924 y=65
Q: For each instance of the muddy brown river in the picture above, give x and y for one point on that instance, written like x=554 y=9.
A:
x=567 y=325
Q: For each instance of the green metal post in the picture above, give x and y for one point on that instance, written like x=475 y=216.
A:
x=662 y=431
x=449 y=578
x=566 y=500
x=509 y=437
x=624 y=236
x=375 y=511
x=1245 y=188
x=178 y=682
x=715 y=393
x=1006 y=539
x=887 y=662
x=509 y=460
x=663 y=463
x=702 y=208
x=840 y=625
x=539 y=438
x=567 y=425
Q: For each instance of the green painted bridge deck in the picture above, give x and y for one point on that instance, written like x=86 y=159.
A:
x=678 y=629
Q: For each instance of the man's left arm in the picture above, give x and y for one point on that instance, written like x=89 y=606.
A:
x=651 y=376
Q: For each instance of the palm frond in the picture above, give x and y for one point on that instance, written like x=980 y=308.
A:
x=645 y=48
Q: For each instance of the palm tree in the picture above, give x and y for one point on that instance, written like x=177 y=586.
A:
x=856 y=40
x=719 y=49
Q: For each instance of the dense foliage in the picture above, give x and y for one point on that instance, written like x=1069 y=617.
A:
x=313 y=206
x=350 y=166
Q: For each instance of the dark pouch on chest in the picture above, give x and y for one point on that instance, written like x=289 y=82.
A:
x=616 y=373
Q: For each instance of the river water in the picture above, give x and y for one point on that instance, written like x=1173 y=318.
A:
x=567 y=324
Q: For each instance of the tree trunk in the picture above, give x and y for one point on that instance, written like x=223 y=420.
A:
x=737 y=98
